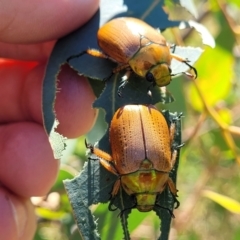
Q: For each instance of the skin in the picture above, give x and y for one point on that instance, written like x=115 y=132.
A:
x=28 y=31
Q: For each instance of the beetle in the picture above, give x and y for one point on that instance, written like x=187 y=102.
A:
x=142 y=154
x=137 y=47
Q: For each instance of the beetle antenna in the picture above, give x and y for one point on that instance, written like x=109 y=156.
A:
x=76 y=55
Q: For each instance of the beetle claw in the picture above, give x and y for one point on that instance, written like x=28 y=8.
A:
x=88 y=146
x=177 y=203
x=173 y=47
x=179 y=146
x=191 y=67
x=178 y=117
x=111 y=203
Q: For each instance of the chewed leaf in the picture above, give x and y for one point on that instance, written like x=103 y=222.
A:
x=205 y=34
x=93 y=185
x=190 y=6
x=226 y=202
x=57 y=141
x=207 y=38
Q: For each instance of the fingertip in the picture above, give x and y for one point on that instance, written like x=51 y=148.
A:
x=74 y=104
x=18 y=220
x=28 y=158
x=43 y=21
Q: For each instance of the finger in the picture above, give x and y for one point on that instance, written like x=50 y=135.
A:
x=32 y=22
x=28 y=158
x=73 y=105
x=18 y=220
x=21 y=89
x=30 y=52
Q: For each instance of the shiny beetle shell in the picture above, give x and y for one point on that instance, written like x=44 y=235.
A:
x=130 y=41
x=142 y=158
x=123 y=35
x=139 y=132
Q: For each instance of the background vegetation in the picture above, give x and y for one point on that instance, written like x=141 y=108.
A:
x=209 y=171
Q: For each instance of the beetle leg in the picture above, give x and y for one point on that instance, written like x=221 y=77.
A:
x=178 y=117
x=179 y=146
x=99 y=153
x=104 y=158
x=116 y=70
x=116 y=188
x=124 y=82
x=169 y=210
x=108 y=166
x=97 y=53
x=172 y=130
x=172 y=187
x=174 y=191
x=76 y=56
x=174 y=157
x=186 y=61
x=120 y=68
x=92 y=52
x=114 y=192
x=110 y=205
x=172 y=47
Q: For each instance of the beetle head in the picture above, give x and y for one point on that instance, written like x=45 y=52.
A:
x=145 y=201
x=159 y=75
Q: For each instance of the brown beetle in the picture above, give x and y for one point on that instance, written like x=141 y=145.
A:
x=137 y=47
x=141 y=143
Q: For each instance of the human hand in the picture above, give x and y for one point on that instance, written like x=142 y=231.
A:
x=28 y=31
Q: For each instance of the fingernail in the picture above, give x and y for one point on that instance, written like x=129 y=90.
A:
x=20 y=215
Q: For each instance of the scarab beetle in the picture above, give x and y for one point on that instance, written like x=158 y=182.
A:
x=137 y=47
x=142 y=154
